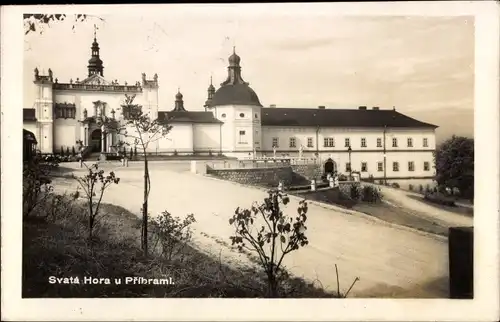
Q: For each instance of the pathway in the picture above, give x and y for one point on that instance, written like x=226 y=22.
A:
x=389 y=261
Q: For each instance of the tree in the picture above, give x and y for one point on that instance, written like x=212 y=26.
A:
x=139 y=129
x=36 y=22
x=278 y=235
x=454 y=161
x=94 y=184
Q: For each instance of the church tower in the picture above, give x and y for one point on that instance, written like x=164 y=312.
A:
x=179 y=102
x=210 y=96
x=95 y=65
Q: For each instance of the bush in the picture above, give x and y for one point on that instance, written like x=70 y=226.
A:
x=370 y=179
x=172 y=233
x=36 y=182
x=73 y=152
x=283 y=235
x=410 y=187
x=355 y=192
x=440 y=199
x=371 y=194
x=381 y=182
x=395 y=185
x=421 y=188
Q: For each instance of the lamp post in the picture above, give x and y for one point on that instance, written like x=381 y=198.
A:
x=349 y=150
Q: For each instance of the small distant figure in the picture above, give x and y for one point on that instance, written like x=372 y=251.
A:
x=274 y=151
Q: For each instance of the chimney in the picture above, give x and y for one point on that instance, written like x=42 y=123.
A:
x=376 y=108
x=321 y=107
x=362 y=108
x=272 y=105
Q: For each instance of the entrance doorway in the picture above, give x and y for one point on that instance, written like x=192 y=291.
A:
x=330 y=167
x=95 y=140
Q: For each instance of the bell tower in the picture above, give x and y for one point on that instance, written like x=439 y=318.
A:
x=95 y=65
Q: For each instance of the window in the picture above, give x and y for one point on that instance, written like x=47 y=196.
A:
x=380 y=166
x=65 y=111
x=425 y=143
x=310 y=142
x=394 y=142
x=223 y=115
x=395 y=166
x=347 y=142
x=242 y=114
x=292 y=142
x=363 y=142
x=411 y=166
x=379 y=142
x=276 y=143
x=256 y=115
x=427 y=166
x=329 y=142
x=364 y=167
x=242 y=139
x=348 y=167
x=410 y=142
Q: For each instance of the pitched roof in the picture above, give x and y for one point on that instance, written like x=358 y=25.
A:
x=29 y=114
x=339 y=118
x=188 y=117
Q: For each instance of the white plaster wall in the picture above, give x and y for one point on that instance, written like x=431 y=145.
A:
x=206 y=137
x=66 y=132
x=179 y=138
x=234 y=123
x=340 y=134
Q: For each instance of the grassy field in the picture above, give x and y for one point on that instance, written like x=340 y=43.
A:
x=55 y=243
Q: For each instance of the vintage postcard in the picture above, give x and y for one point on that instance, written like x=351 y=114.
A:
x=271 y=161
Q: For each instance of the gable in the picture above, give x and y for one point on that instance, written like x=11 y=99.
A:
x=95 y=80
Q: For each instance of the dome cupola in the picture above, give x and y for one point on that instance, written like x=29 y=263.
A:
x=234 y=91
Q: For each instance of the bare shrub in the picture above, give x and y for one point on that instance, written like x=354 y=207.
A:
x=278 y=235
x=94 y=184
x=172 y=233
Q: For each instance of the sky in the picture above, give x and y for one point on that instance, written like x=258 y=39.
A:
x=416 y=63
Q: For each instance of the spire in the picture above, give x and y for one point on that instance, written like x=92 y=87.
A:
x=234 y=70
x=95 y=63
x=179 y=102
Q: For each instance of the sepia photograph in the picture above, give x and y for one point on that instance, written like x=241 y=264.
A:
x=214 y=152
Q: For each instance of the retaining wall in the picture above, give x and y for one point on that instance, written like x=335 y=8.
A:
x=261 y=176
x=308 y=171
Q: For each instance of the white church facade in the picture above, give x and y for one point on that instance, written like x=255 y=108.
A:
x=382 y=143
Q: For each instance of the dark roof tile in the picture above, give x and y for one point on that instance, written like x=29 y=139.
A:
x=188 y=117
x=339 y=118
